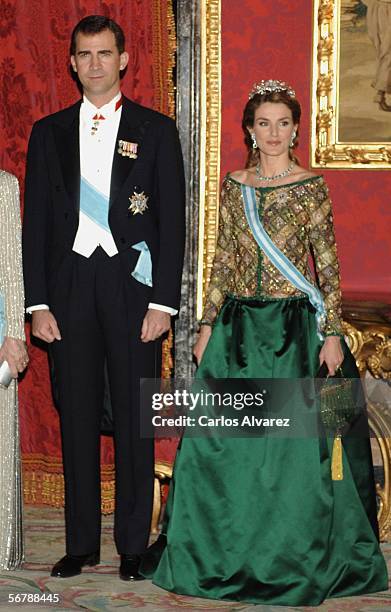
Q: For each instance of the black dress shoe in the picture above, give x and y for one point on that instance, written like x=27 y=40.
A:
x=71 y=565
x=150 y=559
x=129 y=568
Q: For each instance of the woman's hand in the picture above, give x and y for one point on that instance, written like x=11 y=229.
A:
x=200 y=345
x=331 y=352
x=14 y=352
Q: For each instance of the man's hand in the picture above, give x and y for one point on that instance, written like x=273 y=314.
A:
x=156 y=323
x=331 y=352
x=44 y=326
x=202 y=341
x=14 y=352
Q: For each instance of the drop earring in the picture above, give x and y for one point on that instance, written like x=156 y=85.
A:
x=255 y=144
x=292 y=142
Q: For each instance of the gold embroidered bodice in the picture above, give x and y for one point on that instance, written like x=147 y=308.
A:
x=298 y=218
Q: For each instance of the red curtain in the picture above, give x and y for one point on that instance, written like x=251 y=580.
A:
x=36 y=81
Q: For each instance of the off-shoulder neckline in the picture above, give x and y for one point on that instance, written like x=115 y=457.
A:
x=307 y=180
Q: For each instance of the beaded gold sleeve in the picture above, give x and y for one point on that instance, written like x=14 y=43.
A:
x=322 y=240
x=223 y=266
x=11 y=275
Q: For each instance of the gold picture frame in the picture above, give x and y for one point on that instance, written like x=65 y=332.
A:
x=343 y=105
x=210 y=133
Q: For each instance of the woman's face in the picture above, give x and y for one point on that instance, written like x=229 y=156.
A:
x=273 y=128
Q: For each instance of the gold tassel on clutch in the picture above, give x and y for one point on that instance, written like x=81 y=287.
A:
x=337 y=410
x=336 y=459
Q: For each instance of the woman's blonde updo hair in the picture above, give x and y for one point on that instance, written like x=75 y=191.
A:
x=282 y=97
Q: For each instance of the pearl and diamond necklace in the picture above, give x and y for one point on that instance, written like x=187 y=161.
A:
x=276 y=176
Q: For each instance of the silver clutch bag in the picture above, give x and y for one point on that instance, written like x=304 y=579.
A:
x=5 y=375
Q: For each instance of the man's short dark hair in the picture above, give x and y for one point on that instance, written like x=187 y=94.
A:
x=94 y=24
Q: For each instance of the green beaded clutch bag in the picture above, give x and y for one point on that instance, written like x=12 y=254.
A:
x=337 y=407
x=337 y=411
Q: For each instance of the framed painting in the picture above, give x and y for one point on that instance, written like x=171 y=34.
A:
x=351 y=84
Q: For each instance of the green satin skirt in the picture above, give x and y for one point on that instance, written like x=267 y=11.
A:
x=259 y=519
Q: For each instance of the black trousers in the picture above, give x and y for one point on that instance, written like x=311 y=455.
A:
x=99 y=308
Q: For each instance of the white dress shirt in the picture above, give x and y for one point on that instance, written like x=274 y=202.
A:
x=96 y=160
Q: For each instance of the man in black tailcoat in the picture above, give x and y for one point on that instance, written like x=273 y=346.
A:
x=103 y=251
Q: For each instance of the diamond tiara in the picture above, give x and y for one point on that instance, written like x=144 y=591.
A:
x=265 y=87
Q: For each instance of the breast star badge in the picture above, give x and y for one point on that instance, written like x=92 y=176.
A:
x=138 y=203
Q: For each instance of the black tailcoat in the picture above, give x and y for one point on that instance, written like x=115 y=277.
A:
x=52 y=199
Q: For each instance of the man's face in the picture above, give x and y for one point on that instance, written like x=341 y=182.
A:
x=98 y=62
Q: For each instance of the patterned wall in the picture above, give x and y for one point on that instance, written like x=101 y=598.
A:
x=35 y=79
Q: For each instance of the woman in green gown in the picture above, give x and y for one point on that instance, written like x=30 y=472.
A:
x=260 y=519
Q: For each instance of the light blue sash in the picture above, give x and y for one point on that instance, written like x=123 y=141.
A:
x=94 y=204
x=279 y=260
x=143 y=269
x=2 y=319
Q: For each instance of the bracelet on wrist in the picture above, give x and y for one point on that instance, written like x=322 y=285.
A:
x=204 y=322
